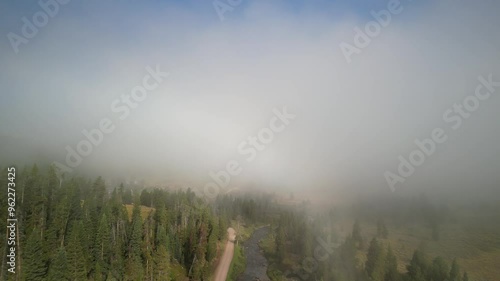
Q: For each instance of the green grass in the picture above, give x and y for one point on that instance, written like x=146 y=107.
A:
x=475 y=243
x=274 y=273
x=274 y=269
x=238 y=263
x=243 y=231
x=473 y=239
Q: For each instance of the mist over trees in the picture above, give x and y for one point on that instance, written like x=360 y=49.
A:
x=344 y=264
x=82 y=229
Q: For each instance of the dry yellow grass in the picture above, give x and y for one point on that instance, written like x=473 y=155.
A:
x=477 y=249
x=145 y=211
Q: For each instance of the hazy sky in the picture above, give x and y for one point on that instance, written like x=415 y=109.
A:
x=352 y=121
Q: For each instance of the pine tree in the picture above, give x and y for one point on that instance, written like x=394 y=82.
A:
x=454 y=271
x=356 y=235
x=148 y=240
x=35 y=258
x=135 y=269
x=102 y=248
x=33 y=201
x=306 y=239
x=391 y=266
x=51 y=185
x=199 y=264
x=348 y=260
x=418 y=267
x=280 y=243
x=212 y=242
x=59 y=222
x=127 y=195
x=117 y=260
x=161 y=264
x=77 y=268
x=90 y=224
x=439 y=270
x=58 y=270
x=375 y=263
x=382 y=231
x=222 y=227
x=99 y=192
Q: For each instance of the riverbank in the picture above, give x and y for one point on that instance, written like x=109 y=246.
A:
x=256 y=265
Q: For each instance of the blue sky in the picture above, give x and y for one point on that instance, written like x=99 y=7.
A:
x=227 y=76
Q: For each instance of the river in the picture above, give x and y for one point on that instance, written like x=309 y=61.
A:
x=256 y=262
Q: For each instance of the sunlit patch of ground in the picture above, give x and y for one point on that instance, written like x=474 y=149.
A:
x=145 y=211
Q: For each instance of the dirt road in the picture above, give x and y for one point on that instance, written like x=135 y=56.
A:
x=227 y=257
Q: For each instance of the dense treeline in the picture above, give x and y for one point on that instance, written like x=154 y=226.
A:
x=336 y=259
x=77 y=229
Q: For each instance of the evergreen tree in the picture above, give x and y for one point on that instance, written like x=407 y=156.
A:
x=356 y=235
x=418 y=267
x=199 y=266
x=375 y=263
x=439 y=270
x=391 y=266
x=212 y=241
x=99 y=192
x=161 y=268
x=222 y=227
x=58 y=270
x=147 y=246
x=127 y=195
x=134 y=258
x=77 y=269
x=58 y=223
x=51 y=185
x=280 y=243
x=33 y=202
x=35 y=258
x=348 y=261
x=117 y=260
x=90 y=224
x=454 y=271
x=102 y=248
x=382 y=231
x=305 y=240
